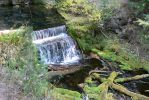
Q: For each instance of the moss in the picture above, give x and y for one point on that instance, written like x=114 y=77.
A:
x=127 y=61
x=125 y=66
x=64 y=94
x=93 y=92
x=105 y=54
x=88 y=80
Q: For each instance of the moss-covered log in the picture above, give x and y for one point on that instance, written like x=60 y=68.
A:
x=110 y=83
x=137 y=77
x=122 y=89
x=105 y=86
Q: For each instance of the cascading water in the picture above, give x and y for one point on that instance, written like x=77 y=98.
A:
x=56 y=46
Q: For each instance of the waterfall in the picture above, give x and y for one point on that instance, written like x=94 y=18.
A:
x=55 y=46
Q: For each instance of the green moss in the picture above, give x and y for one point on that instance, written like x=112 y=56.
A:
x=105 y=54
x=92 y=89
x=88 y=80
x=127 y=61
x=64 y=94
x=93 y=92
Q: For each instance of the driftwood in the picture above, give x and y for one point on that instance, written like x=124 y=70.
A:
x=112 y=82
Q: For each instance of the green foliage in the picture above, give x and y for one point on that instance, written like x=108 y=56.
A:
x=144 y=34
x=107 y=7
x=33 y=74
x=108 y=4
x=81 y=16
x=127 y=61
x=88 y=41
x=139 y=6
x=79 y=8
x=144 y=23
x=13 y=38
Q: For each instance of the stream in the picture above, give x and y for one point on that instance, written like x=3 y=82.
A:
x=39 y=18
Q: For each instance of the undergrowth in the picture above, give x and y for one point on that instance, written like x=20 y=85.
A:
x=83 y=30
x=24 y=59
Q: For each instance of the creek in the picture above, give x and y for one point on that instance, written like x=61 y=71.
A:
x=60 y=50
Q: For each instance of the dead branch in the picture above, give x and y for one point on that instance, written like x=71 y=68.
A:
x=137 y=77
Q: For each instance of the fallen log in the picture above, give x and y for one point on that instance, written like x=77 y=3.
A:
x=110 y=83
x=124 y=90
x=105 y=86
x=137 y=77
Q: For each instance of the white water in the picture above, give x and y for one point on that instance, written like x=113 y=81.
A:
x=55 y=46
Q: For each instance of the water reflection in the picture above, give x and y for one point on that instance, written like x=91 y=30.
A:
x=37 y=16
